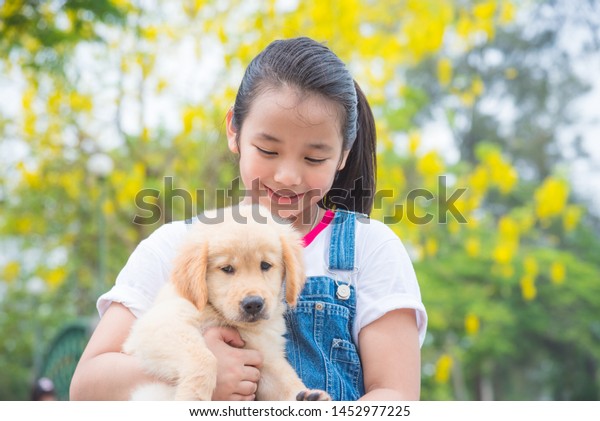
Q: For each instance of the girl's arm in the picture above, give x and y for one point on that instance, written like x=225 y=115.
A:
x=391 y=357
x=105 y=373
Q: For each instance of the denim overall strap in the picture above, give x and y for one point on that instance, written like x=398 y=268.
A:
x=341 y=246
x=319 y=343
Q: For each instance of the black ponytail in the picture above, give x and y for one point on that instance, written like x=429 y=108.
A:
x=354 y=186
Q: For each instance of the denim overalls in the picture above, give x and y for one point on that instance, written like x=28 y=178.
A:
x=319 y=340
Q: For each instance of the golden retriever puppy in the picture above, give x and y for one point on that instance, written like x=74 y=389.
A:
x=235 y=271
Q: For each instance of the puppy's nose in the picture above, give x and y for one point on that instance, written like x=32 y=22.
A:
x=253 y=304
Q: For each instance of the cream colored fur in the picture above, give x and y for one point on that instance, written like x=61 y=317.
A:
x=218 y=266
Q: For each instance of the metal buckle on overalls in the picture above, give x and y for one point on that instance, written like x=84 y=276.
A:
x=343 y=291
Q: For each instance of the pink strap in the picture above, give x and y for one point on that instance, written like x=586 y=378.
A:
x=327 y=218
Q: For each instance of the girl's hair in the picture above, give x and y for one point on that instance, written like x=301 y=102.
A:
x=313 y=68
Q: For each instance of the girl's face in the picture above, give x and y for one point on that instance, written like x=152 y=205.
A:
x=290 y=149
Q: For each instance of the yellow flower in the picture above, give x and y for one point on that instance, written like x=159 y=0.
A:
x=508 y=229
x=121 y=3
x=150 y=33
x=29 y=124
x=472 y=246
x=24 y=225
x=396 y=178
x=444 y=71
x=146 y=63
x=54 y=102
x=108 y=207
x=472 y=324
x=192 y=7
x=125 y=66
x=484 y=10
x=557 y=273
x=464 y=26
x=222 y=35
x=70 y=184
x=508 y=242
x=56 y=277
x=431 y=246
x=551 y=198
x=161 y=85
x=477 y=86
x=443 y=369
x=504 y=252
x=145 y=135
x=528 y=289
x=502 y=174
x=488 y=27
x=414 y=140
x=31 y=178
x=571 y=217
x=507 y=12
x=467 y=98
x=430 y=164
x=129 y=184
x=28 y=98
x=11 y=271
x=479 y=179
x=79 y=102
x=188 y=119
x=531 y=266
x=385 y=139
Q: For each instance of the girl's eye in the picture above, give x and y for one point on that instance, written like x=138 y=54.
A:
x=265 y=266
x=315 y=160
x=228 y=269
x=265 y=152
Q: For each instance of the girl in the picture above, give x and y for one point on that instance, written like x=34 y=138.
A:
x=305 y=137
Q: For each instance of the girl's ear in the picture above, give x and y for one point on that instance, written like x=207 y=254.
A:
x=231 y=132
x=343 y=160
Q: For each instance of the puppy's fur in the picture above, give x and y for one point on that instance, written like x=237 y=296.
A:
x=228 y=273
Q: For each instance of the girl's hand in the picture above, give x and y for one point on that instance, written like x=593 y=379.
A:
x=238 y=369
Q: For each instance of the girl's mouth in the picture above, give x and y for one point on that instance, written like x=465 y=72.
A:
x=284 y=196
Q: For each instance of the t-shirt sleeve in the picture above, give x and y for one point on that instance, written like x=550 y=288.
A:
x=146 y=271
x=387 y=281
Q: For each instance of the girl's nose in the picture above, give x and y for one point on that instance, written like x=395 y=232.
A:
x=288 y=175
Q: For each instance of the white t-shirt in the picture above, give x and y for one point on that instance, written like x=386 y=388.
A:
x=384 y=279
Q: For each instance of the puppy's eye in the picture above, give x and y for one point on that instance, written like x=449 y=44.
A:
x=264 y=266
x=228 y=269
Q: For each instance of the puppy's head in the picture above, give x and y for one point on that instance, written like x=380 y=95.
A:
x=237 y=262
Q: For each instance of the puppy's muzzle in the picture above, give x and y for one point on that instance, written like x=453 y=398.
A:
x=252 y=308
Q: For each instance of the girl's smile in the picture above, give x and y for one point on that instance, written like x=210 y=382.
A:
x=284 y=197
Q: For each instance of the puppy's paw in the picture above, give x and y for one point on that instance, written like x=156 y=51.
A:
x=313 y=395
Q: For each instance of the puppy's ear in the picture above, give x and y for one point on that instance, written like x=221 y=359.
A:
x=293 y=260
x=189 y=273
